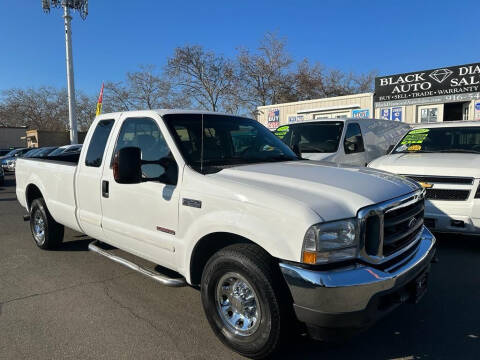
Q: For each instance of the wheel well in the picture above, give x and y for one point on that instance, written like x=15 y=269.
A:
x=206 y=247
x=32 y=193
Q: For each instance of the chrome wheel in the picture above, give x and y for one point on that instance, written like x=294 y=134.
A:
x=38 y=227
x=237 y=304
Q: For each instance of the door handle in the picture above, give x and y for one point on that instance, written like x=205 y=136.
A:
x=105 y=192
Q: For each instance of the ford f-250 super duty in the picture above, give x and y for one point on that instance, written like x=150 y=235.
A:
x=271 y=240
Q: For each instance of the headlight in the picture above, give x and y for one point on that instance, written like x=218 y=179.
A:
x=329 y=242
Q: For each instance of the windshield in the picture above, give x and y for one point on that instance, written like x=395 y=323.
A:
x=45 y=151
x=58 y=151
x=31 y=152
x=444 y=139
x=317 y=137
x=225 y=141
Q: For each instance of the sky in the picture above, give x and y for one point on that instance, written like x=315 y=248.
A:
x=387 y=36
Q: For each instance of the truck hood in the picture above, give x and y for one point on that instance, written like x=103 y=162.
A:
x=441 y=164
x=332 y=191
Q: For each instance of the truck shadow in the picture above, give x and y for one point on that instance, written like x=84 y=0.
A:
x=9 y=199
x=444 y=325
x=75 y=245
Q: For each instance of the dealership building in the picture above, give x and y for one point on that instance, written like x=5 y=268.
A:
x=443 y=94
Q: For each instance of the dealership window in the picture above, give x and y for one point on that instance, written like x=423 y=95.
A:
x=429 y=115
x=353 y=142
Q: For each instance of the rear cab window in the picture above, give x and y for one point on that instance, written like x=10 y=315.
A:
x=96 y=148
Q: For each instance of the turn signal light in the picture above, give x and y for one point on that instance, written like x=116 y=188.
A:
x=309 y=257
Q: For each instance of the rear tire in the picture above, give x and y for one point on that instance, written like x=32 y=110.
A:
x=232 y=278
x=47 y=233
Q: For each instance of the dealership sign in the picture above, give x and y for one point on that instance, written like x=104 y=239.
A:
x=360 y=113
x=450 y=84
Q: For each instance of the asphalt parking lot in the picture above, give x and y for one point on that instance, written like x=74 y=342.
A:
x=72 y=303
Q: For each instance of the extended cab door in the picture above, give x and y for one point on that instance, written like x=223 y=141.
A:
x=354 y=146
x=143 y=218
x=88 y=178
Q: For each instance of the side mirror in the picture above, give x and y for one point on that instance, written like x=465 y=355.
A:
x=350 y=147
x=127 y=166
x=296 y=150
x=390 y=148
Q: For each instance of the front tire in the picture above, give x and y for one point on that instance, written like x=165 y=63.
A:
x=241 y=294
x=47 y=233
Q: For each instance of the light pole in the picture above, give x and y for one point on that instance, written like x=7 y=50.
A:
x=82 y=7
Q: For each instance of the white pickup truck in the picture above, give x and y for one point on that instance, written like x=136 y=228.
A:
x=271 y=240
x=444 y=158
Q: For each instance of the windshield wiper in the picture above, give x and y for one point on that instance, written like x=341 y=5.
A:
x=313 y=149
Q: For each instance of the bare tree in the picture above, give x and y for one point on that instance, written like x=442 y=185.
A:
x=117 y=97
x=142 y=89
x=45 y=108
x=309 y=81
x=206 y=78
x=86 y=109
x=264 y=73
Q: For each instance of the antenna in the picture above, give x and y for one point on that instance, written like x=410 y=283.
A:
x=82 y=7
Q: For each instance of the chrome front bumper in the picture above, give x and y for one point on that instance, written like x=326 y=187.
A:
x=322 y=297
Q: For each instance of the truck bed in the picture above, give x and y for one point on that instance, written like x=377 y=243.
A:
x=54 y=178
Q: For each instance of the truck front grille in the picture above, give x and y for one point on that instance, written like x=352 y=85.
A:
x=401 y=227
x=391 y=228
x=441 y=179
x=447 y=194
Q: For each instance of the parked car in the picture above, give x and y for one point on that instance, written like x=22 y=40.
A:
x=31 y=152
x=66 y=149
x=265 y=235
x=10 y=163
x=342 y=141
x=4 y=152
x=444 y=159
x=45 y=151
x=10 y=158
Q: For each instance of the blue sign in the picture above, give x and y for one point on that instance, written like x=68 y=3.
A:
x=397 y=114
x=385 y=114
x=477 y=106
x=360 y=114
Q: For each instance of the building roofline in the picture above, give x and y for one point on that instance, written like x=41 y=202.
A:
x=316 y=100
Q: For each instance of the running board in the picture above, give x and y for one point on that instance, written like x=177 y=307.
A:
x=162 y=279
